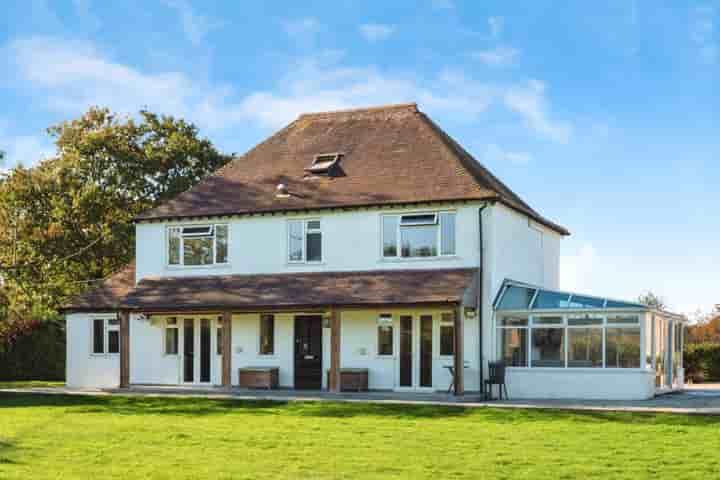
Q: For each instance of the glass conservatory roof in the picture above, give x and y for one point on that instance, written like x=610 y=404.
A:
x=521 y=296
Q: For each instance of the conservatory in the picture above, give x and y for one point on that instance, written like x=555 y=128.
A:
x=566 y=345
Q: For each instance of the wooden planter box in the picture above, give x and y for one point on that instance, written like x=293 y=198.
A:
x=259 y=377
x=352 y=379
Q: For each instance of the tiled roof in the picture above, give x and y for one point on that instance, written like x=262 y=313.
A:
x=390 y=155
x=108 y=295
x=317 y=289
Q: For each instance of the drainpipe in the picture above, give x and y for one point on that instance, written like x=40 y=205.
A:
x=480 y=292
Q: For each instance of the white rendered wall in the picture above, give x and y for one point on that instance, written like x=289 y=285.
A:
x=85 y=369
x=351 y=241
x=586 y=383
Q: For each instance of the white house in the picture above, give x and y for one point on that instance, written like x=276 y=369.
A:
x=361 y=248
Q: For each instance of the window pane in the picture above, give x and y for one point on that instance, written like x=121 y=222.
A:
x=547 y=347
x=512 y=346
x=385 y=339
x=174 y=246
x=419 y=219
x=623 y=319
x=622 y=348
x=221 y=243
x=447 y=226
x=516 y=298
x=419 y=241
x=171 y=341
x=267 y=334
x=447 y=340
x=551 y=300
x=313 y=225
x=219 y=342
x=513 y=320
x=390 y=236
x=98 y=336
x=113 y=341
x=579 y=301
x=547 y=321
x=198 y=251
x=314 y=247
x=584 y=347
x=295 y=241
x=582 y=321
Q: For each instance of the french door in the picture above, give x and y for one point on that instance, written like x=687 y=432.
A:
x=197 y=358
x=415 y=359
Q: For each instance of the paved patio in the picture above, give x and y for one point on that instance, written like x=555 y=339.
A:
x=695 y=399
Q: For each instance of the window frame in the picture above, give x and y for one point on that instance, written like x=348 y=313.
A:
x=392 y=335
x=180 y=228
x=305 y=231
x=565 y=325
x=106 y=329
x=176 y=327
x=438 y=216
x=446 y=319
x=260 y=335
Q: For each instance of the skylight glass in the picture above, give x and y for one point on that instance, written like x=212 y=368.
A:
x=516 y=298
x=547 y=299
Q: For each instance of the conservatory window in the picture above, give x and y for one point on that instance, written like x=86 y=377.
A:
x=622 y=348
x=513 y=340
x=548 y=347
x=198 y=245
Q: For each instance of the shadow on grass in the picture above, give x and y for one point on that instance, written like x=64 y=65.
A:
x=126 y=405
x=6 y=448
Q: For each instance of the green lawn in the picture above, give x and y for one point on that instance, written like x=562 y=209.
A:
x=30 y=384
x=54 y=436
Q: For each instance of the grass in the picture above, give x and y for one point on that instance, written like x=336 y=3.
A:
x=57 y=436
x=30 y=384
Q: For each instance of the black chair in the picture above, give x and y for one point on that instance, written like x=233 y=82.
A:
x=496 y=376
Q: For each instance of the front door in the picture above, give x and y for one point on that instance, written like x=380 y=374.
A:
x=197 y=350
x=308 y=352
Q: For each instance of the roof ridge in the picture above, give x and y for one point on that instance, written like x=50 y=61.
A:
x=412 y=106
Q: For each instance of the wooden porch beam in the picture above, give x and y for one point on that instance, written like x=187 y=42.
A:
x=459 y=358
x=334 y=381
x=227 y=349
x=124 y=349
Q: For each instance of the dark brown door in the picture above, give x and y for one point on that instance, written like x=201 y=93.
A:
x=308 y=352
x=189 y=350
x=426 y=345
x=406 y=352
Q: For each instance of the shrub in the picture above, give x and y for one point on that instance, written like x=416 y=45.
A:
x=702 y=362
x=32 y=350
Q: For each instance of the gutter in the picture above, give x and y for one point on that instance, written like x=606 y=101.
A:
x=480 y=292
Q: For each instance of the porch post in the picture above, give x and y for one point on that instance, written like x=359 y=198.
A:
x=227 y=349
x=334 y=381
x=124 y=349
x=459 y=358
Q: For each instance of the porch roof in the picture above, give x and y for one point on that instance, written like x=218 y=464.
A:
x=297 y=290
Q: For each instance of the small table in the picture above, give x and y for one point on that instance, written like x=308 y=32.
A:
x=451 y=369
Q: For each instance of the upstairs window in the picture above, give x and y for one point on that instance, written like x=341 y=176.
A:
x=418 y=235
x=197 y=245
x=304 y=241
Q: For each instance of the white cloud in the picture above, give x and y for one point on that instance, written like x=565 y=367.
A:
x=495 y=153
x=496 y=25
x=374 y=32
x=71 y=76
x=703 y=34
x=577 y=271
x=301 y=27
x=23 y=149
x=497 y=57
x=195 y=26
x=529 y=101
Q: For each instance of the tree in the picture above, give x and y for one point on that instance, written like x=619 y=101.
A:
x=67 y=222
x=651 y=300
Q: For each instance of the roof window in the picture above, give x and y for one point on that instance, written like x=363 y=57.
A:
x=323 y=163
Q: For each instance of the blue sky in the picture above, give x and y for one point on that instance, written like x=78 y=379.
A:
x=602 y=115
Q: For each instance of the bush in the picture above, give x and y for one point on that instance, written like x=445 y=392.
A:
x=32 y=350
x=702 y=362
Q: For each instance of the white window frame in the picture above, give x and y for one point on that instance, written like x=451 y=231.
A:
x=377 y=336
x=176 y=327
x=274 y=339
x=566 y=326
x=305 y=231
x=181 y=259
x=107 y=328
x=398 y=235
x=444 y=323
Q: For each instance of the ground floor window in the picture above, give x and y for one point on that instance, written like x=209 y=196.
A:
x=568 y=341
x=385 y=334
x=171 y=336
x=447 y=334
x=267 y=334
x=105 y=335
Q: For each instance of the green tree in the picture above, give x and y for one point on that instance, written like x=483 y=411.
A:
x=67 y=222
x=650 y=299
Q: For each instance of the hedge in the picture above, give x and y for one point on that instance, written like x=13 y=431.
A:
x=702 y=362
x=32 y=350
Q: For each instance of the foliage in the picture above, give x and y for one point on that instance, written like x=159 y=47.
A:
x=32 y=350
x=67 y=222
x=651 y=300
x=60 y=436
x=706 y=330
x=702 y=362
